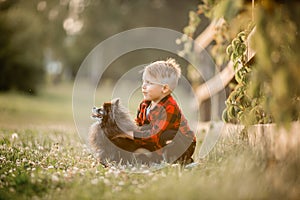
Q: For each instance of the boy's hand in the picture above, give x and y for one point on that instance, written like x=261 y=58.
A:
x=130 y=133
x=169 y=141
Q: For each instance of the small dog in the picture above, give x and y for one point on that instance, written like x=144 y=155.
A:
x=108 y=137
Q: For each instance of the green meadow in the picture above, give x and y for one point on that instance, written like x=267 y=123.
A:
x=42 y=157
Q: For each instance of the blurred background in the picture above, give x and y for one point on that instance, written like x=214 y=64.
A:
x=44 y=42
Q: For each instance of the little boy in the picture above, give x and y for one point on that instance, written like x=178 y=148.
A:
x=163 y=127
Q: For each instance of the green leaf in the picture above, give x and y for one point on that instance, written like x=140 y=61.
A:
x=229 y=49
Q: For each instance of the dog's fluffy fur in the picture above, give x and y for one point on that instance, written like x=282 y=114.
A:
x=108 y=137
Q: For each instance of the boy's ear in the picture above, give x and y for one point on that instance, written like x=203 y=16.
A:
x=166 y=89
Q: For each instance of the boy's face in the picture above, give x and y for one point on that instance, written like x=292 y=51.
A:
x=152 y=89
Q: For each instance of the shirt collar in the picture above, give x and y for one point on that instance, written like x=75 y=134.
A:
x=163 y=100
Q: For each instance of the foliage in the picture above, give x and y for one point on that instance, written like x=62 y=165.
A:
x=267 y=91
x=241 y=106
x=276 y=74
x=65 y=31
x=20 y=54
x=267 y=88
x=228 y=9
x=211 y=9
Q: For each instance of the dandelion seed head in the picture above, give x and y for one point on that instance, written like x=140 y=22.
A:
x=54 y=178
x=14 y=136
x=94 y=181
x=106 y=181
x=121 y=183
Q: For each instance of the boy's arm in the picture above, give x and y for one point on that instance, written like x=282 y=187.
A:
x=161 y=119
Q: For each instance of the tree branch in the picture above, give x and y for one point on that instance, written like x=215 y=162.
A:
x=207 y=36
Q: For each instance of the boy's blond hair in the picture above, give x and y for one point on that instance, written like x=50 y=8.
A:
x=165 y=72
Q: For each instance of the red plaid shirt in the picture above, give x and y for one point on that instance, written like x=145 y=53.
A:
x=166 y=115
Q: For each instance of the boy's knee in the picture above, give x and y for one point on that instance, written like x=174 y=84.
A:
x=180 y=149
x=167 y=137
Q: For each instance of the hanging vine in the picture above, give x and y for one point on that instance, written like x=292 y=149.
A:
x=242 y=107
x=268 y=86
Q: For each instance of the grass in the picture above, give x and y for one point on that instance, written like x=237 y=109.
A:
x=52 y=106
x=39 y=161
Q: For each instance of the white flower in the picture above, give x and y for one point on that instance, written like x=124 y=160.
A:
x=55 y=178
x=121 y=183
x=75 y=168
x=94 y=181
x=106 y=181
x=14 y=136
x=40 y=148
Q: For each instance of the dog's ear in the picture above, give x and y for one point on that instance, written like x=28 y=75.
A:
x=114 y=106
x=115 y=101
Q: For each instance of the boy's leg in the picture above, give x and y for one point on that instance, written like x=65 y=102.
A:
x=177 y=147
